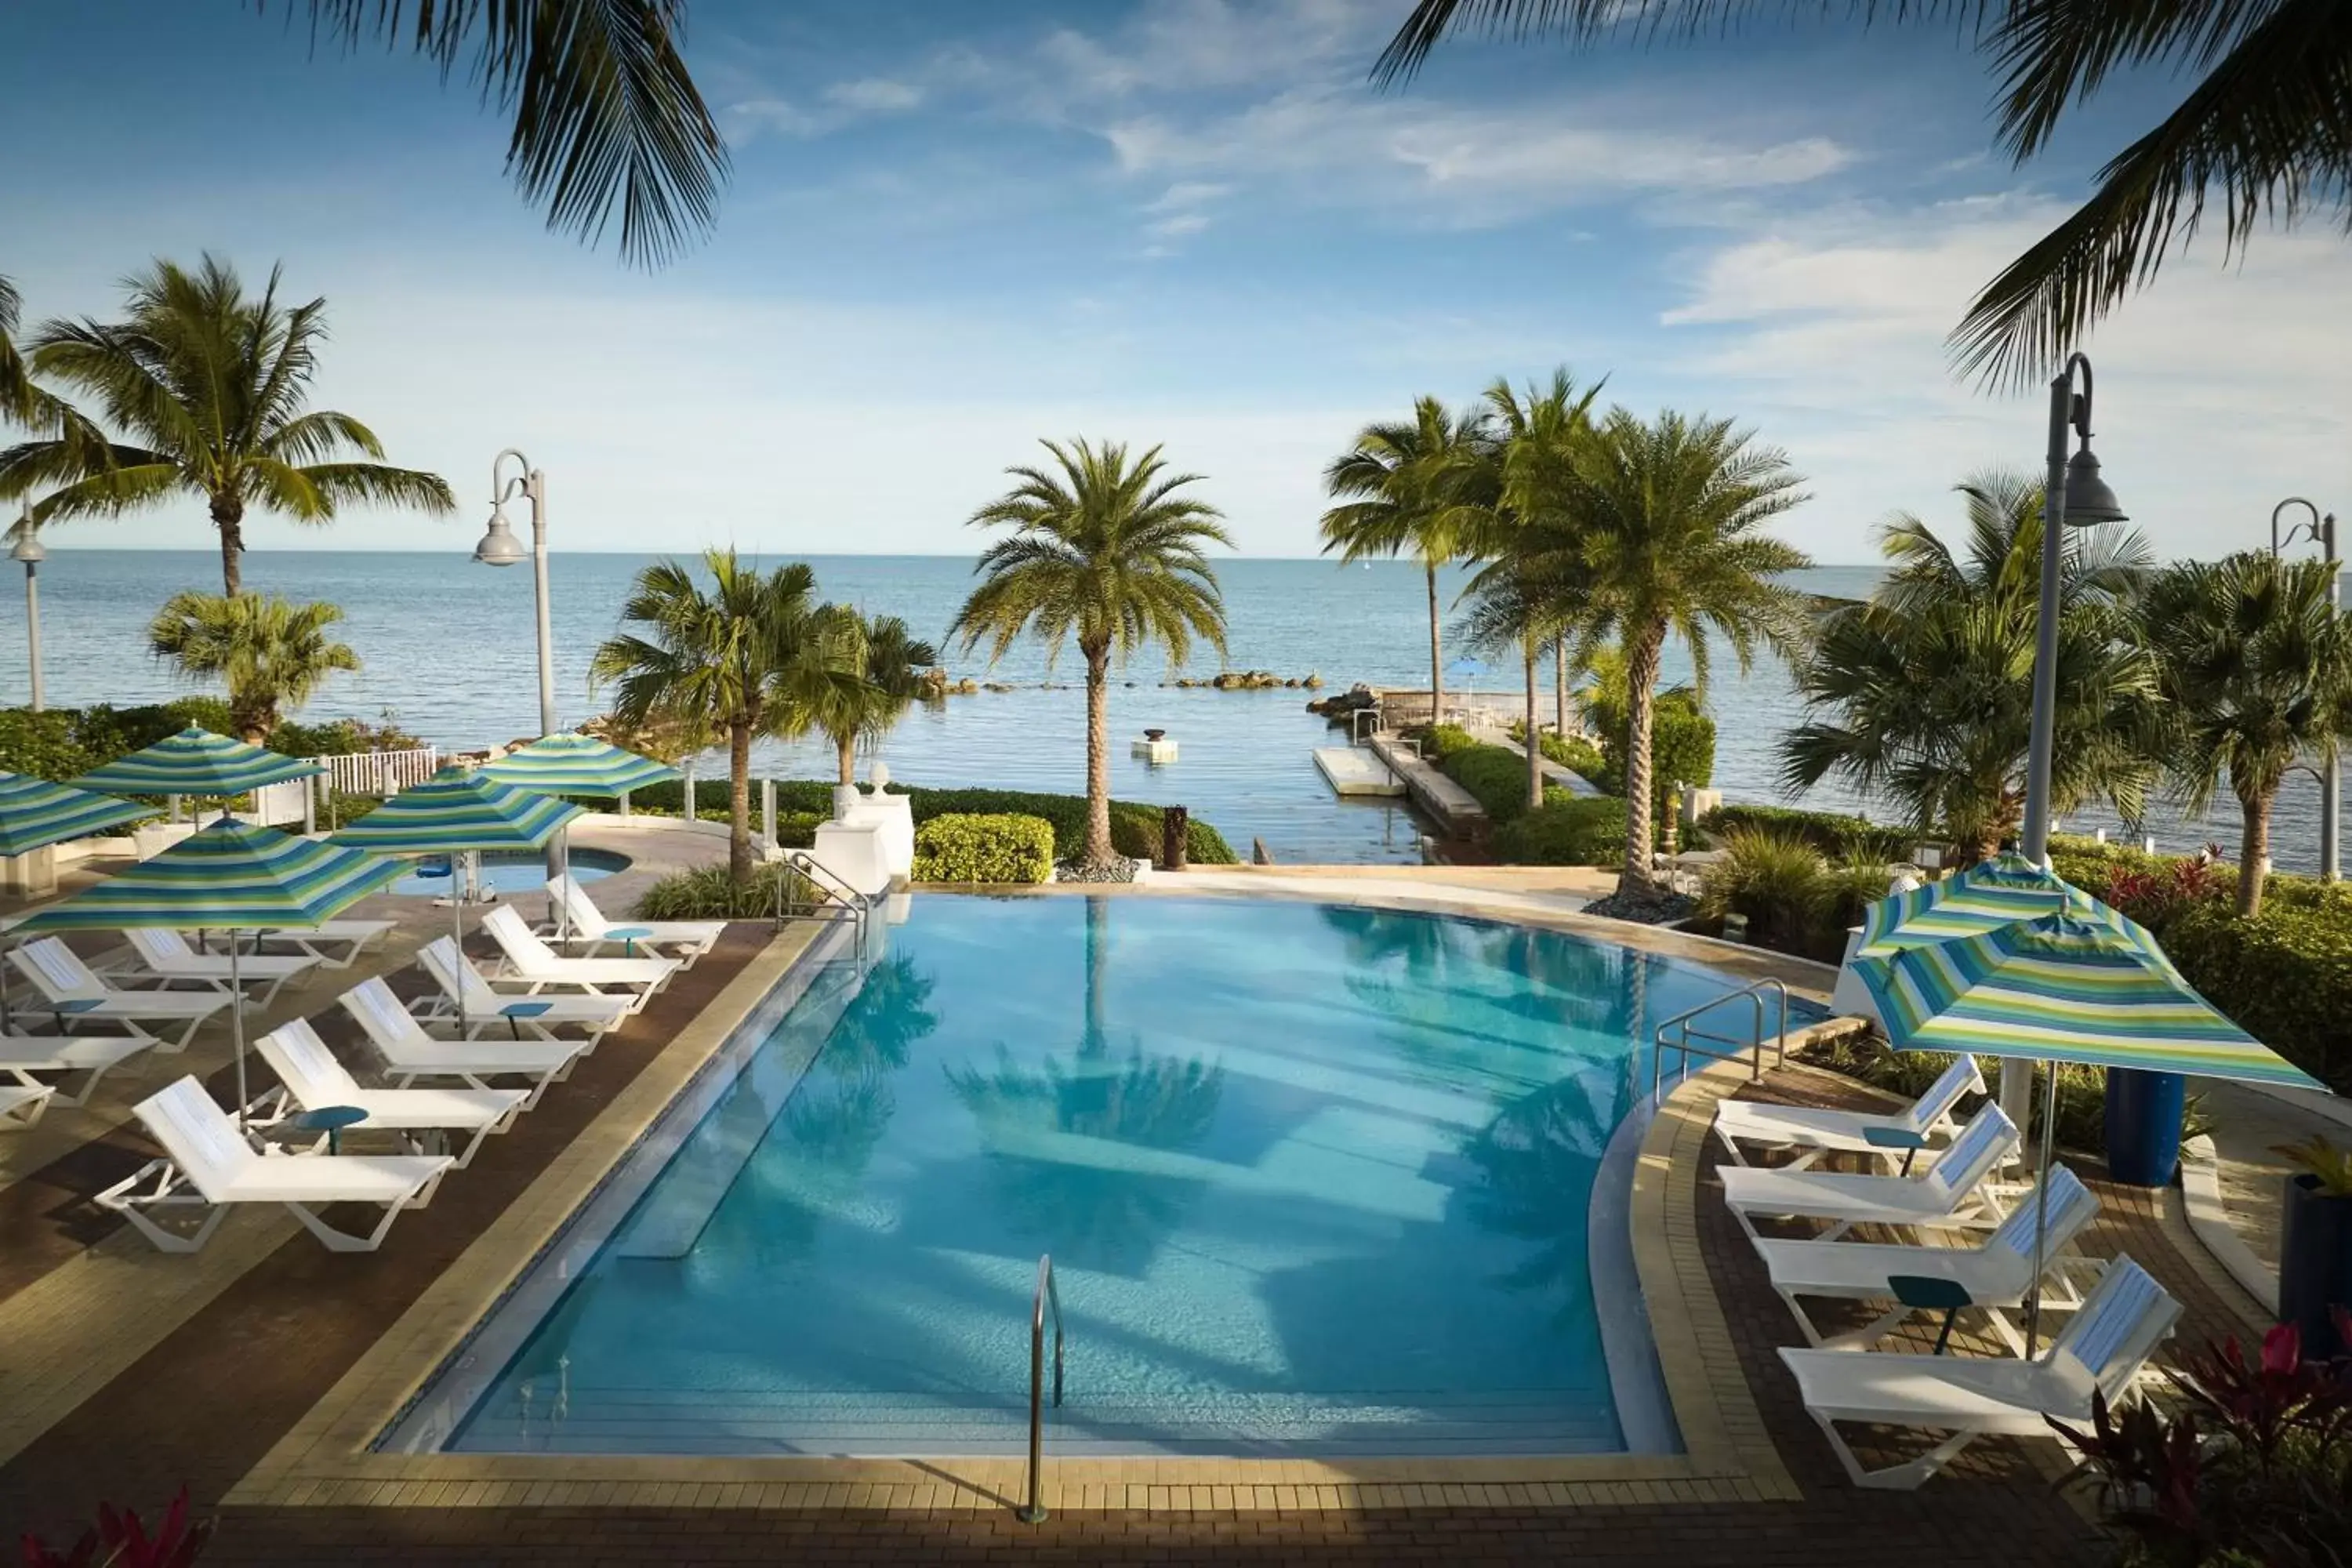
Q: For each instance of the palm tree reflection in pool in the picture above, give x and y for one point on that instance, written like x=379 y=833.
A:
x=1536 y=1159
x=1062 y=1137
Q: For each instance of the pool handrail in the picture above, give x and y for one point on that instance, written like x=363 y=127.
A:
x=1752 y=1048
x=834 y=890
x=1033 y=1510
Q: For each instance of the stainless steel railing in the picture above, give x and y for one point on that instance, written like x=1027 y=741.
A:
x=828 y=891
x=1752 y=1047
x=1033 y=1510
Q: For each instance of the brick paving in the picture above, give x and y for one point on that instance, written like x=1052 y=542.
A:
x=210 y=1400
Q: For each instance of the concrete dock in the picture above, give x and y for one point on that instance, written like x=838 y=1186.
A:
x=1351 y=770
x=1454 y=809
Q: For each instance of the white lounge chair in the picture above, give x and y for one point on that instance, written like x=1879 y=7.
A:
x=1948 y=1194
x=529 y=964
x=207 y=1164
x=1993 y=1277
x=537 y=1017
x=24 y=1055
x=336 y=944
x=167 y=956
x=684 y=941
x=314 y=1079
x=1814 y=1133
x=70 y=992
x=2101 y=1350
x=409 y=1053
x=21 y=1106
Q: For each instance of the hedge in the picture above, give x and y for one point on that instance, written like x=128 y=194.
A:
x=2284 y=978
x=1440 y=742
x=60 y=743
x=1496 y=777
x=1682 y=750
x=1837 y=836
x=997 y=847
x=1566 y=830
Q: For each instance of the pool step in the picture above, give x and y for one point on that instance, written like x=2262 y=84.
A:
x=756 y=1422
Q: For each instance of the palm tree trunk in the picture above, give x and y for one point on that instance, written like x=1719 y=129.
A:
x=2253 y=849
x=1559 y=684
x=1436 y=657
x=845 y=750
x=1640 y=694
x=229 y=516
x=738 y=803
x=1534 y=739
x=1098 y=849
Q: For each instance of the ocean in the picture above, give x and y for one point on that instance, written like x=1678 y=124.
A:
x=446 y=647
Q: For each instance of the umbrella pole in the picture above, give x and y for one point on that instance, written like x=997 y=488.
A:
x=2042 y=1206
x=237 y=1026
x=457 y=937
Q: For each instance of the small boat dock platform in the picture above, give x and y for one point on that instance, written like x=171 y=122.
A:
x=1352 y=770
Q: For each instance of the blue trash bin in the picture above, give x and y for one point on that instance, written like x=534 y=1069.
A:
x=2143 y=1132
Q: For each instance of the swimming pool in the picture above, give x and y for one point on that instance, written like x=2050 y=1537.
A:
x=504 y=873
x=1316 y=1179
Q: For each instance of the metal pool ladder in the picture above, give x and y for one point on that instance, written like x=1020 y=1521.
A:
x=1033 y=1510
x=829 y=894
x=1752 y=1047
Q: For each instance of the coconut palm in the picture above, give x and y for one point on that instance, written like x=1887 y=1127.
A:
x=1669 y=540
x=1400 y=479
x=1105 y=551
x=2255 y=673
x=273 y=655
x=1923 y=696
x=891 y=661
x=209 y=388
x=2265 y=128
x=755 y=656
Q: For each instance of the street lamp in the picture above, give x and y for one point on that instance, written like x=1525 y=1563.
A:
x=29 y=549
x=499 y=547
x=2073 y=495
x=2320 y=531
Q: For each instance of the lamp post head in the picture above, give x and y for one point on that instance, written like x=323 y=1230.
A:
x=2088 y=500
x=28 y=549
x=499 y=547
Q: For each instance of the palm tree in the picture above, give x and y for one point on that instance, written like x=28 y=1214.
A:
x=1923 y=695
x=1399 y=478
x=272 y=654
x=2266 y=128
x=891 y=661
x=210 y=389
x=1104 y=550
x=754 y=656
x=1668 y=541
x=2255 y=673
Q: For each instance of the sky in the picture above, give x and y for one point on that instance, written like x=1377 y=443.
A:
x=953 y=229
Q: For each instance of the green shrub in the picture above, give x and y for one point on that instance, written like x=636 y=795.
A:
x=796 y=829
x=1135 y=826
x=709 y=893
x=1840 y=837
x=63 y=742
x=1771 y=879
x=1496 y=777
x=1440 y=742
x=2284 y=978
x=999 y=846
x=1682 y=750
x=1566 y=830
x=1574 y=753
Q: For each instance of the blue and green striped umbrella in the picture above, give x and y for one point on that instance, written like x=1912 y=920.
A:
x=35 y=814
x=577 y=764
x=196 y=761
x=2064 y=989
x=458 y=811
x=1985 y=896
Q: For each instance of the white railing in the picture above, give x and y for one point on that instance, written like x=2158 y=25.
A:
x=379 y=773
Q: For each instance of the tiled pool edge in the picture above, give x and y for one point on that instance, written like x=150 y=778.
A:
x=327 y=1458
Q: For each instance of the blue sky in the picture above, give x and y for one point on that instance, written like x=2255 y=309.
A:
x=954 y=228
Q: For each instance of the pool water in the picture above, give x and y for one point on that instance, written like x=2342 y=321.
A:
x=504 y=873
x=1314 y=1179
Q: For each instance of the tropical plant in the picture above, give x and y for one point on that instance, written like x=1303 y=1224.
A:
x=1104 y=551
x=2254 y=672
x=1668 y=541
x=120 y=1541
x=272 y=654
x=753 y=656
x=1923 y=695
x=2266 y=129
x=1400 y=479
x=606 y=119
x=713 y=893
x=209 y=388
x=889 y=661
x=2329 y=1164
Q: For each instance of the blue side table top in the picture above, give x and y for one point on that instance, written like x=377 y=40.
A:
x=330 y=1120
x=524 y=1009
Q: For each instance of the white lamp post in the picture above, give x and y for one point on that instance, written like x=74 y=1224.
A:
x=499 y=547
x=29 y=549
x=2320 y=531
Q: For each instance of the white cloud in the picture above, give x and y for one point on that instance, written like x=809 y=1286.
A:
x=875 y=95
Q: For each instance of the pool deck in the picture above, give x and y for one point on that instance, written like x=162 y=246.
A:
x=256 y=1370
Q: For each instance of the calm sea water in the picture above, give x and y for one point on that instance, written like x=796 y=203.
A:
x=446 y=646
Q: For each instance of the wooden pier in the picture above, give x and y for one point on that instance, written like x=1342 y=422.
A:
x=1454 y=809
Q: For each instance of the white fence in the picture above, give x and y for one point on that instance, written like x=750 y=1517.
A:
x=379 y=773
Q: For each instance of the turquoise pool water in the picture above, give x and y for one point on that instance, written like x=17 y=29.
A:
x=1315 y=1180
x=503 y=873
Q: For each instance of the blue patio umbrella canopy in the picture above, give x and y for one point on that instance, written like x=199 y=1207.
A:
x=36 y=814
x=196 y=761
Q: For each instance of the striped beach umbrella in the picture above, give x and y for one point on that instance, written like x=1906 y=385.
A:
x=196 y=761
x=36 y=814
x=1985 y=896
x=230 y=876
x=577 y=764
